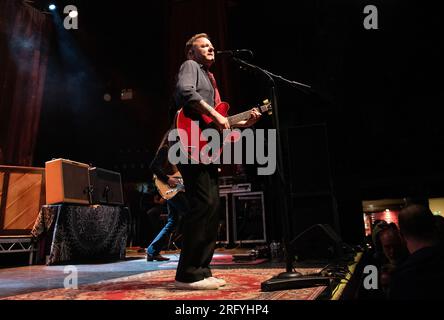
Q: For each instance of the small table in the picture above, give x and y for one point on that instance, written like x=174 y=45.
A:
x=76 y=233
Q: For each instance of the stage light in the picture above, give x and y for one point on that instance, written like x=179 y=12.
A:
x=73 y=14
x=52 y=7
x=126 y=94
x=107 y=97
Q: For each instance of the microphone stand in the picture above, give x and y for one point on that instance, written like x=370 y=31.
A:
x=290 y=273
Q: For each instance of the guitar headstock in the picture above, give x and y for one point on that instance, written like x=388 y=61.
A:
x=266 y=107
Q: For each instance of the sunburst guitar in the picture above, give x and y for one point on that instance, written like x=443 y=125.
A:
x=165 y=190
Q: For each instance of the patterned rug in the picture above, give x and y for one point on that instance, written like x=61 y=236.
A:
x=243 y=284
x=220 y=260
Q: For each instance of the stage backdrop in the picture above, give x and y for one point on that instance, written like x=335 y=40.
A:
x=24 y=42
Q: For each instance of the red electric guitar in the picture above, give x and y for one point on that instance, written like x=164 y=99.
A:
x=190 y=131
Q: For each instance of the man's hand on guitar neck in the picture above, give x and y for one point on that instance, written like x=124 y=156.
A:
x=255 y=115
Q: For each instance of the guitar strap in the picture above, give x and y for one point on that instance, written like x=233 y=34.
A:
x=163 y=142
x=162 y=152
x=217 y=98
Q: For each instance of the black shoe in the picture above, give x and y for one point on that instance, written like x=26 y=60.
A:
x=157 y=257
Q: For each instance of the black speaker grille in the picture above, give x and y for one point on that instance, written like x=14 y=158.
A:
x=75 y=180
x=107 y=186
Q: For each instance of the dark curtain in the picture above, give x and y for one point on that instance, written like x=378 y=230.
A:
x=24 y=46
x=186 y=18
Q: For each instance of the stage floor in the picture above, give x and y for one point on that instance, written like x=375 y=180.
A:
x=135 y=278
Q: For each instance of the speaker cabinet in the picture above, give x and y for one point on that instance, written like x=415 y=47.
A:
x=106 y=186
x=67 y=182
x=223 y=229
x=22 y=193
x=249 y=217
x=319 y=242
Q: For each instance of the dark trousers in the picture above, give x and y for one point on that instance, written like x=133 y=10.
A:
x=201 y=222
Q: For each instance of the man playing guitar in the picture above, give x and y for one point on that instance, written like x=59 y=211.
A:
x=196 y=93
x=167 y=175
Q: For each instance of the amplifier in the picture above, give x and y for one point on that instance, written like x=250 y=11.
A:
x=223 y=229
x=106 y=186
x=234 y=188
x=249 y=217
x=66 y=182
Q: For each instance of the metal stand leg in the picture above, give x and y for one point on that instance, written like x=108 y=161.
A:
x=171 y=242
x=31 y=254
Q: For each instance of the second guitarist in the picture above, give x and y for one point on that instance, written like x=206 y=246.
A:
x=177 y=205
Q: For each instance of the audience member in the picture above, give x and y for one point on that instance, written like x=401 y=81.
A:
x=377 y=252
x=395 y=253
x=375 y=257
x=421 y=276
x=439 y=220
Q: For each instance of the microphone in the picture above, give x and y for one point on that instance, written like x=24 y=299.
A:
x=234 y=52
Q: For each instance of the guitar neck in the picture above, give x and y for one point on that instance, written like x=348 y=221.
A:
x=244 y=115
x=239 y=117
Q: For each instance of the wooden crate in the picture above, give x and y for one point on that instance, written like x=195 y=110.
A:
x=22 y=193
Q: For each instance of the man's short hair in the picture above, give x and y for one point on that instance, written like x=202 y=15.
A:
x=417 y=221
x=190 y=42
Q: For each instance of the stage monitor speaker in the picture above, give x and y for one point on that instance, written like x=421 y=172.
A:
x=67 y=182
x=22 y=193
x=319 y=242
x=223 y=229
x=106 y=186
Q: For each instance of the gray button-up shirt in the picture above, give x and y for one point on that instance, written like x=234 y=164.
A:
x=193 y=85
